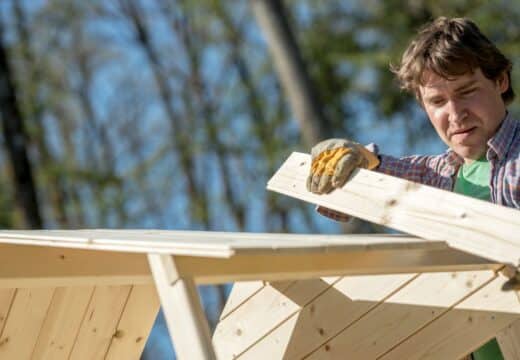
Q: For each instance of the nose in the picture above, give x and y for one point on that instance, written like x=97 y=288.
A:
x=456 y=111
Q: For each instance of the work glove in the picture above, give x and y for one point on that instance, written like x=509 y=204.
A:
x=333 y=161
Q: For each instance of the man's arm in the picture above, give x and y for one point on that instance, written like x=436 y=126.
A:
x=429 y=170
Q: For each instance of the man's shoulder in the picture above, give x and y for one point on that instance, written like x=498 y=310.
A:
x=513 y=151
x=504 y=146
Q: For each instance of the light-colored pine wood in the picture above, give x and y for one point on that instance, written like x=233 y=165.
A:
x=468 y=224
x=119 y=257
x=183 y=312
x=208 y=243
x=6 y=299
x=37 y=266
x=415 y=305
x=24 y=322
x=100 y=322
x=135 y=324
x=266 y=310
x=463 y=329
x=240 y=293
x=509 y=341
x=62 y=323
x=340 y=305
x=308 y=265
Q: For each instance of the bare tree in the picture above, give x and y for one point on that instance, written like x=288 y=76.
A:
x=272 y=18
x=181 y=141
x=16 y=143
x=34 y=111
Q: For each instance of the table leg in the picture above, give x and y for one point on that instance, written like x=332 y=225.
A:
x=182 y=309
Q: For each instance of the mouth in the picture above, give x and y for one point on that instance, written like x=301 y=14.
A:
x=463 y=133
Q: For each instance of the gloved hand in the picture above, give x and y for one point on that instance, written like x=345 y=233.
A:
x=333 y=161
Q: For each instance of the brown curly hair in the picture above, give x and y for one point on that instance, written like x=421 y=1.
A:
x=451 y=47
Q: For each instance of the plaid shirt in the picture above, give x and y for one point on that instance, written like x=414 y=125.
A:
x=439 y=170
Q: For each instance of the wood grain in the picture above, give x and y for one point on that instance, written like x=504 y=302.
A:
x=475 y=226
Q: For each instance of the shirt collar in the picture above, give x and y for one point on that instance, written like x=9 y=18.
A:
x=453 y=159
x=500 y=142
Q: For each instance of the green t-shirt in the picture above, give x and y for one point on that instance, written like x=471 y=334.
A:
x=473 y=180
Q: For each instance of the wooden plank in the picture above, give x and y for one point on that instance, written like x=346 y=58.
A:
x=6 y=299
x=412 y=307
x=468 y=224
x=509 y=341
x=308 y=265
x=260 y=314
x=464 y=328
x=139 y=241
x=37 y=266
x=135 y=324
x=183 y=311
x=62 y=322
x=240 y=294
x=100 y=322
x=342 y=304
x=24 y=321
x=208 y=243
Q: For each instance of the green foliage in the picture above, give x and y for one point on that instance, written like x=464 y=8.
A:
x=349 y=46
x=162 y=103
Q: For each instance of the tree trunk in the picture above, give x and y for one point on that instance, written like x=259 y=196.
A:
x=54 y=182
x=272 y=19
x=180 y=138
x=15 y=139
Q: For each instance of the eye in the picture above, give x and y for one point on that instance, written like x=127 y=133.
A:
x=468 y=92
x=436 y=101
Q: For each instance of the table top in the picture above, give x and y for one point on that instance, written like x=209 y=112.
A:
x=212 y=243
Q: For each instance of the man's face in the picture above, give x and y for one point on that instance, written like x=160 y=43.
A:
x=465 y=110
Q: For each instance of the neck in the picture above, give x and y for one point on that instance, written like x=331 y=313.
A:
x=469 y=160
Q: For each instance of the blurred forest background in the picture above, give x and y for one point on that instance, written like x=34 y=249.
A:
x=173 y=114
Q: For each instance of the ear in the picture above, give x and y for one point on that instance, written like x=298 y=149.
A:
x=503 y=82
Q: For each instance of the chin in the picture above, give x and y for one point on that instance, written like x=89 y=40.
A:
x=463 y=152
x=466 y=154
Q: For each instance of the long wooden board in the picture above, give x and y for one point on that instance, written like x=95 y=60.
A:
x=471 y=225
x=309 y=265
x=37 y=266
x=267 y=257
x=210 y=243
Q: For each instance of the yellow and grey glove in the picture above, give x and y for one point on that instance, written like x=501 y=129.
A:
x=333 y=161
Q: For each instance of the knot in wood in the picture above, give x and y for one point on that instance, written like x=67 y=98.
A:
x=391 y=202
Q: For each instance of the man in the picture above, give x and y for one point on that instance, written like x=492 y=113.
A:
x=463 y=82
